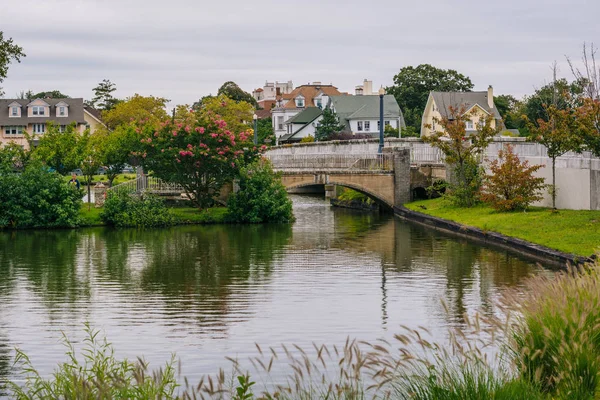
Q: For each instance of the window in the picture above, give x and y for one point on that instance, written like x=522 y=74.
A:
x=61 y=111
x=38 y=110
x=39 y=128
x=367 y=126
x=433 y=125
x=299 y=102
x=15 y=112
x=319 y=103
x=62 y=128
x=469 y=125
x=481 y=122
x=279 y=123
x=13 y=130
x=359 y=126
x=386 y=123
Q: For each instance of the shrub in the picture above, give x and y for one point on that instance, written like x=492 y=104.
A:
x=261 y=197
x=125 y=209
x=38 y=198
x=511 y=185
x=352 y=195
x=308 y=139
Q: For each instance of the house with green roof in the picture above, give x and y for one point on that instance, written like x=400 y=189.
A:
x=359 y=115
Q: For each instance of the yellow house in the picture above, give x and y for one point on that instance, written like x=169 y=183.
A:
x=478 y=105
x=20 y=116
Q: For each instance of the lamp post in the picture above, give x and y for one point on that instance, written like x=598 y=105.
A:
x=381 y=93
x=90 y=163
x=255 y=119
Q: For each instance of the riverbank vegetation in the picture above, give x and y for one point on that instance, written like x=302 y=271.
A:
x=570 y=231
x=543 y=345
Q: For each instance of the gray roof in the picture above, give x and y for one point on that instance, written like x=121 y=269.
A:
x=305 y=116
x=366 y=107
x=444 y=100
x=75 y=112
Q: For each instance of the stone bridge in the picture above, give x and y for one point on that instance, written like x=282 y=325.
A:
x=387 y=178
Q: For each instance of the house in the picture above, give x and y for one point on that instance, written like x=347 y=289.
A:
x=20 y=116
x=479 y=105
x=359 y=115
x=366 y=89
x=293 y=103
x=266 y=96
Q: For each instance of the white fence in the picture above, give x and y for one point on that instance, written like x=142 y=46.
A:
x=319 y=162
x=150 y=184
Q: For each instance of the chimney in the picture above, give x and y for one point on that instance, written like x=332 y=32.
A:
x=368 y=87
x=490 y=97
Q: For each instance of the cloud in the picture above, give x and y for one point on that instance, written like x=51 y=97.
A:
x=184 y=49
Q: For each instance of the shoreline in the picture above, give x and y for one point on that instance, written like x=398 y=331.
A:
x=537 y=251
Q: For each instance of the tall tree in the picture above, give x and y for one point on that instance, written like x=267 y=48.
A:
x=237 y=114
x=234 y=92
x=264 y=129
x=328 y=126
x=63 y=151
x=560 y=93
x=103 y=98
x=136 y=108
x=50 y=94
x=412 y=86
x=8 y=52
x=511 y=111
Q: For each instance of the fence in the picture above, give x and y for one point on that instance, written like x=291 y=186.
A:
x=144 y=183
x=370 y=162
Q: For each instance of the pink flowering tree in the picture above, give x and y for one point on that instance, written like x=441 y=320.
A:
x=202 y=156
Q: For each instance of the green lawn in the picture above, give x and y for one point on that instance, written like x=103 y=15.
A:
x=102 y=178
x=189 y=215
x=570 y=231
x=92 y=217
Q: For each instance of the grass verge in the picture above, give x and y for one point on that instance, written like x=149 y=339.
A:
x=569 y=231
x=183 y=215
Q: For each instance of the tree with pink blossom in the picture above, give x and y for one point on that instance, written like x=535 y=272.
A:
x=202 y=156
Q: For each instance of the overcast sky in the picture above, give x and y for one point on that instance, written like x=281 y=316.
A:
x=184 y=49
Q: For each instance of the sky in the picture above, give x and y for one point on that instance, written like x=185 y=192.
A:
x=185 y=49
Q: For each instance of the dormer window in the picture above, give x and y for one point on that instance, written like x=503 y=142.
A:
x=300 y=102
x=319 y=103
x=61 y=111
x=38 y=111
x=14 y=111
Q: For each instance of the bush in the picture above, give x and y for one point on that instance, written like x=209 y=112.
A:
x=126 y=209
x=464 y=186
x=38 y=198
x=352 y=195
x=261 y=197
x=512 y=185
x=308 y=139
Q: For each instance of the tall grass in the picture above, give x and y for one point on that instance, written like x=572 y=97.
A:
x=546 y=345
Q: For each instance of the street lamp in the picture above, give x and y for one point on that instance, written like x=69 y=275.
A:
x=381 y=93
x=255 y=119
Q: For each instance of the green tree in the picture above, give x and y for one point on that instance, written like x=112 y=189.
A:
x=588 y=121
x=13 y=158
x=115 y=148
x=512 y=111
x=237 y=114
x=412 y=86
x=261 y=197
x=264 y=127
x=8 y=52
x=202 y=157
x=328 y=126
x=103 y=98
x=63 y=151
x=558 y=133
x=148 y=109
x=234 y=92
x=51 y=94
x=463 y=153
x=560 y=93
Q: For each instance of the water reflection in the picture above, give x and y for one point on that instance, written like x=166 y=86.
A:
x=210 y=291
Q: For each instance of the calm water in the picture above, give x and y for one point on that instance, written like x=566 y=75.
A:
x=210 y=292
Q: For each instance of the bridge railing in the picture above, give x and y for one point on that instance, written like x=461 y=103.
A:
x=426 y=154
x=370 y=162
x=148 y=184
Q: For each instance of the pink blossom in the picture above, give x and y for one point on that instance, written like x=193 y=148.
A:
x=213 y=135
x=221 y=153
x=189 y=146
x=188 y=129
x=174 y=133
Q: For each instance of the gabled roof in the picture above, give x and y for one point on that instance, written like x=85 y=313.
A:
x=15 y=103
x=306 y=116
x=62 y=103
x=445 y=100
x=75 y=112
x=38 y=101
x=366 y=107
x=262 y=114
x=309 y=92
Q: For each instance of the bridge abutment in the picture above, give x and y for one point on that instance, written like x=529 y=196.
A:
x=401 y=160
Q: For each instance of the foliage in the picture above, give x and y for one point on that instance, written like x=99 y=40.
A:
x=560 y=93
x=125 y=209
x=202 y=157
x=462 y=152
x=588 y=123
x=349 y=136
x=13 y=157
x=232 y=91
x=114 y=148
x=237 y=114
x=261 y=197
x=389 y=131
x=95 y=373
x=511 y=111
x=264 y=127
x=412 y=86
x=512 y=184
x=148 y=109
x=328 y=126
x=410 y=131
x=352 y=195
x=103 y=98
x=569 y=231
x=307 y=139
x=62 y=151
x=50 y=94
x=558 y=134
x=37 y=198
x=8 y=52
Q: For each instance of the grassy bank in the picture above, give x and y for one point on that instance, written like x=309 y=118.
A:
x=569 y=231
x=183 y=215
